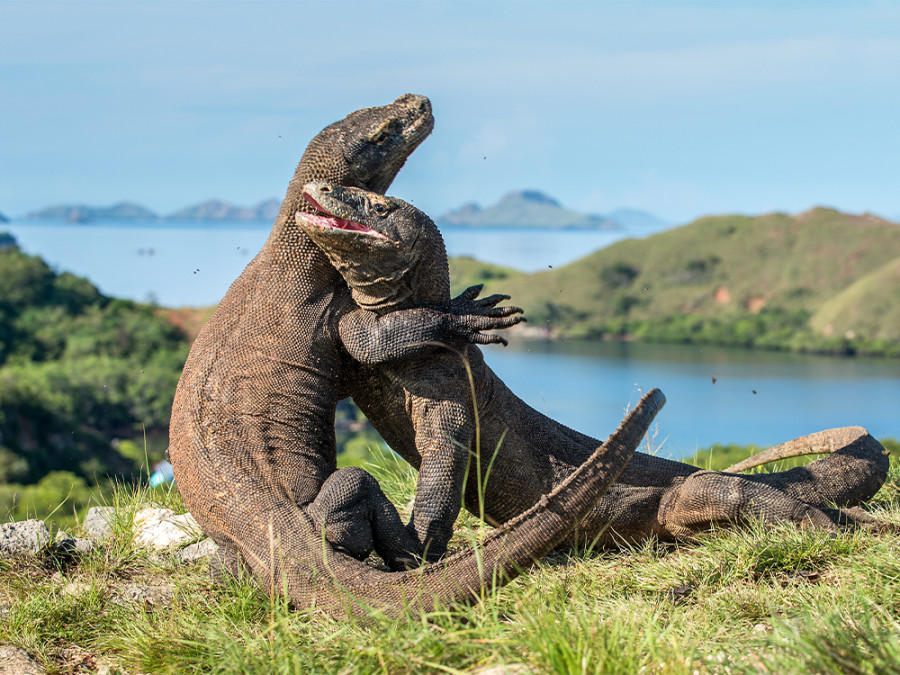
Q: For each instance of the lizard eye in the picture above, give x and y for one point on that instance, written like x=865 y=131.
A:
x=380 y=209
x=378 y=137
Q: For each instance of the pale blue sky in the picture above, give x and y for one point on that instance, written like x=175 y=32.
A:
x=679 y=108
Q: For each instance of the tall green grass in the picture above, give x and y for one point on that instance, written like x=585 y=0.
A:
x=760 y=599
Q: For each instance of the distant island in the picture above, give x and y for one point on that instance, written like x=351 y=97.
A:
x=524 y=208
x=7 y=240
x=532 y=208
x=210 y=210
x=215 y=209
x=3 y=219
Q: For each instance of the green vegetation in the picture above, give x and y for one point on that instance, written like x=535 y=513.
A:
x=86 y=385
x=821 y=281
x=761 y=600
x=466 y=271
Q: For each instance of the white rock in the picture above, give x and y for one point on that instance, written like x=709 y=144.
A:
x=15 y=661
x=26 y=536
x=98 y=522
x=161 y=528
x=198 y=551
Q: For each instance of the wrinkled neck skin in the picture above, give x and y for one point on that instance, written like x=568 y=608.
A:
x=424 y=282
x=288 y=242
x=384 y=278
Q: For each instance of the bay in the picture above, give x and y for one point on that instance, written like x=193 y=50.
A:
x=759 y=398
x=178 y=263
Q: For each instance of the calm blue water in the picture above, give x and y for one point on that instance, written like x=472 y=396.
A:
x=179 y=263
x=762 y=398
x=586 y=385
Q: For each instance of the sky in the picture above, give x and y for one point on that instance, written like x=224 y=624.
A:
x=681 y=109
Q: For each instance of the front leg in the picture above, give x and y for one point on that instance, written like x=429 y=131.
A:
x=444 y=433
x=374 y=339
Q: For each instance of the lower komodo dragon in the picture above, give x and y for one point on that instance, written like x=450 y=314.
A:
x=526 y=454
x=252 y=428
x=380 y=244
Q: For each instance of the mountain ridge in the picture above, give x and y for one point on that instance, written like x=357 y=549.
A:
x=209 y=210
x=522 y=208
x=533 y=208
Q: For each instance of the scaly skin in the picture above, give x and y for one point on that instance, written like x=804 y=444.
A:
x=526 y=453
x=654 y=496
x=380 y=246
x=252 y=426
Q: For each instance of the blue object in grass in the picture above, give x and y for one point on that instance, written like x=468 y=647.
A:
x=162 y=473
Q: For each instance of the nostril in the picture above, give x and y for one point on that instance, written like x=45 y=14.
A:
x=325 y=188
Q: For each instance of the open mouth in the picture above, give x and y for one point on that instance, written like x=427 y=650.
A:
x=326 y=220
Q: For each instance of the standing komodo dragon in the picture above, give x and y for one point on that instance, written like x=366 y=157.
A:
x=252 y=428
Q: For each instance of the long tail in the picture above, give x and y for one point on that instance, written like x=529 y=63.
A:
x=314 y=574
x=854 y=470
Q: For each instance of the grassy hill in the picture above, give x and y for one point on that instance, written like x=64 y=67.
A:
x=821 y=281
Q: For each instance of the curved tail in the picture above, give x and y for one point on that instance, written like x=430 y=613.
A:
x=854 y=470
x=312 y=574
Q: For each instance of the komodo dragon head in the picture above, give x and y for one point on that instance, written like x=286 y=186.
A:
x=390 y=253
x=365 y=149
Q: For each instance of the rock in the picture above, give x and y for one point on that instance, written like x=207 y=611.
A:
x=138 y=594
x=507 y=669
x=202 y=549
x=66 y=543
x=76 y=589
x=98 y=522
x=161 y=528
x=15 y=661
x=27 y=536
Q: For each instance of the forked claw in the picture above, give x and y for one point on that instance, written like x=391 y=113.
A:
x=492 y=300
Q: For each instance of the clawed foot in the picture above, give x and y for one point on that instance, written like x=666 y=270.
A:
x=472 y=315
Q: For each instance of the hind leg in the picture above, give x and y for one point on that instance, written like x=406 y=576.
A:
x=708 y=498
x=355 y=517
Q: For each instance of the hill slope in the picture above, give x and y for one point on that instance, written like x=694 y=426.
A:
x=754 y=281
x=867 y=307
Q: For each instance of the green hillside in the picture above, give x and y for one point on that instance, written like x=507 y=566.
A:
x=776 y=281
x=870 y=306
x=466 y=271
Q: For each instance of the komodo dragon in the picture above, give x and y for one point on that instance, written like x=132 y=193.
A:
x=380 y=244
x=526 y=454
x=252 y=426
x=653 y=495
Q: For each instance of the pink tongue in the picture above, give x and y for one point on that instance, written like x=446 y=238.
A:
x=336 y=223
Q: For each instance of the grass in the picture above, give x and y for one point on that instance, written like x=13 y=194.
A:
x=761 y=599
